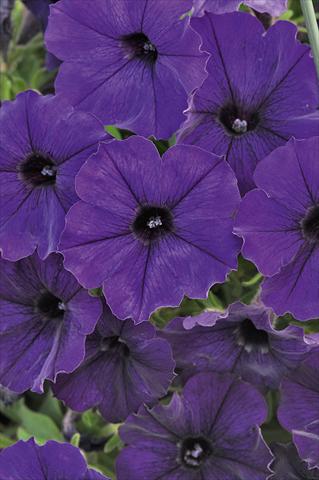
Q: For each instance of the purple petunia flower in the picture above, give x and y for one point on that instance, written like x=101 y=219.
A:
x=41 y=10
x=43 y=143
x=280 y=225
x=243 y=341
x=209 y=432
x=260 y=91
x=299 y=408
x=158 y=228
x=45 y=317
x=274 y=7
x=131 y=63
x=125 y=365
x=29 y=461
x=287 y=464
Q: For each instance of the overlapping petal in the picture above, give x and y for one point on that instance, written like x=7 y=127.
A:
x=299 y=408
x=36 y=345
x=27 y=460
x=101 y=246
x=43 y=129
x=125 y=366
x=207 y=411
x=274 y=7
x=136 y=90
x=254 y=351
x=258 y=81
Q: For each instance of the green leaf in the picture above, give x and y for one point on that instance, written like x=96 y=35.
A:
x=5 y=441
x=18 y=85
x=52 y=408
x=287 y=15
x=113 y=131
x=104 y=462
x=91 y=423
x=5 y=87
x=113 y=443
x=75 y=440
x=96 y=292
x=161 y=145
x=33 y=424
x=40 y=78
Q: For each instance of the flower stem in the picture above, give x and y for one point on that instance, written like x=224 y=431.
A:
x=312 y=29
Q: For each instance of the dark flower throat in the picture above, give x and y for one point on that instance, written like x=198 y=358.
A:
x=138 y=45
x=194 y=451
x=236 y=121
x=38 y=170
x=251 y=338
x=152 y=222
x=310 y=225
x=50 y=306
x=115 y=344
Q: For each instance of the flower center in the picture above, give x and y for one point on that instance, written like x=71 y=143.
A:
x=114 y=343
x=194 y=451
x=38 y=170
x=310 y=224
x=236 y=121
x=50 y=306
x=138 y=45
x=252 y=339
x=152 y=222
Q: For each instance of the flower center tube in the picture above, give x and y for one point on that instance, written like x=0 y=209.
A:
x=138 y=45
x=152 y=222
x=194 y=451
x=310 y=225
x=236 y=120
x=50 y=306
x=38 y=170
x=251 y=338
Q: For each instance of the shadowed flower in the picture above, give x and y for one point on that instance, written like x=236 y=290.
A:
x=131 y=63
x=260 y=91
x=125 y=366
x=287 y=464
x=41 y=10
x=43 y=143
x=157 y=227
x=29 y=461
x=242 y=341
x=279 y=222
x=6 y=8
x=274 y=7
x=209 y=432
x=299 y=408
x=45 y=317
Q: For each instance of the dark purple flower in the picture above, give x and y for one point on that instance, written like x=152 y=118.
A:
x=56 y=461
x=151 y=229
x=6 y=8
x=43 y=143
x=243 y=341
x=41 y=10
x=274 y=7
x=209 y=432
x=261 y=90
x=287 y=464
x=45 y=317
x=132 y=64
x=279 y=222
x=125 y=365
x=299 y=408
